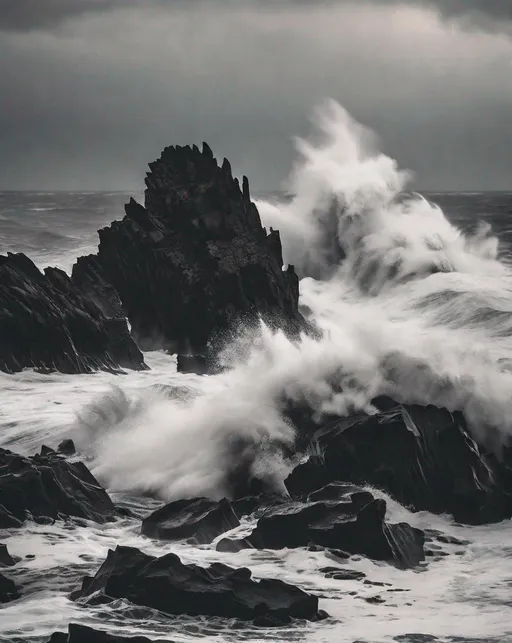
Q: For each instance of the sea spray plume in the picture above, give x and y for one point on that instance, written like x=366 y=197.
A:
x=337 y=173
x=208 y=445
x=349 y=208
x=389 y=326
x=460 y=363
x=236 y=428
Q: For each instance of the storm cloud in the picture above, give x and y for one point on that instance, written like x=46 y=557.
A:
x=92 y=90
x=41 y=14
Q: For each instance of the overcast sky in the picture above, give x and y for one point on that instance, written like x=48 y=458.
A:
x=92 y=90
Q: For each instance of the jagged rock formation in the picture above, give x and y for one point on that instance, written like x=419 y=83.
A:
x=423 y=456
x=166 y=584
x=8 y=590
x=338 y=516
x=194 y=260
x=47 y=323
x=46 y=487
x=6 y=560
x=87 y=276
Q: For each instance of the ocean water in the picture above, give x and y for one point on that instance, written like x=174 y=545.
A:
x=414 y=295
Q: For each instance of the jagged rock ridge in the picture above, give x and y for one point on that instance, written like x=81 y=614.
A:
x=194 y=260
x=47 y=323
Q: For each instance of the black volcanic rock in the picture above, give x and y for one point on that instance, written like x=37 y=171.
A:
x=166 y=584
x=67 y=447
x=84 y=634
x=7 y=520
x=87 y=275
x=6 y=560
x=255 y=504
x=200 y=518
x=194 y=261
x=355 y=525
x=422 y=456
x=335 y=517
x=198 y=364
x=45 y=322
x=8 y=590
x=48 y=487
x=308 y=476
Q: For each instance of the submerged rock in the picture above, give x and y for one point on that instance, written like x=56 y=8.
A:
x=47 y=323
x=194 y=261
x=200 y=518
x=84 y=634
x=46 y=487
x=423 y=456
x=166 y=584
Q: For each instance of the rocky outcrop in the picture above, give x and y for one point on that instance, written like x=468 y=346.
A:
x=166 y=584
x=8 y=590
x=423 y=456
x=67 y=447
x=6 y=560
x=84 y=634
x=46 y=323
x=200 y=518
x=7 y=520
x=194 y=261
x=47 y=487
x=341 y=518
x=185 y=270
x=87 y=276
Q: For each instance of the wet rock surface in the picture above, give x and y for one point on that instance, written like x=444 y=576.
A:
x=200 y=518
x=340 y=518
x=8 y=590
x=422 y=456
x=46 y=323
x=46 y=487
x=166 y=584
x=6 y=560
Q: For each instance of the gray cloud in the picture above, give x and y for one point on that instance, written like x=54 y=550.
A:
x=496 y=9
x=26 y=15
x=86 y=106
x=39 y=14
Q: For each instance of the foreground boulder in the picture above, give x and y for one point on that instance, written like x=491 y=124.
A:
x=166 y=584
x=48 y=487
x=45 y=322
x=83 y=634
x=200 y=518
x=194 y=261
x=423 y=456
x=340 y=519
